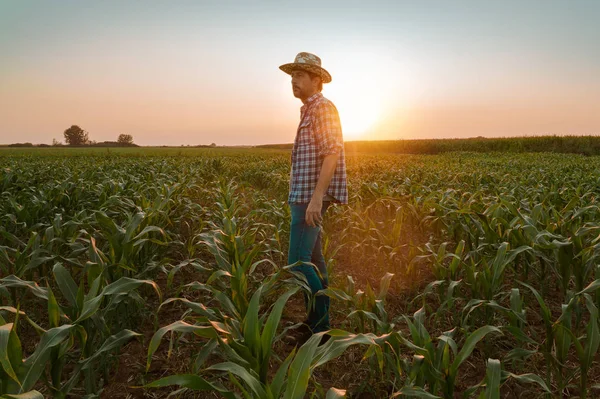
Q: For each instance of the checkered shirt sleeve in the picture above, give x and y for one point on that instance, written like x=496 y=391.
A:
x=327 y=129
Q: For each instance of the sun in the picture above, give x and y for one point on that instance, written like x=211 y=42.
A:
x=358 y=115
x=359 y=102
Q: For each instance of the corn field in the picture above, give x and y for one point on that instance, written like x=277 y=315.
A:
x=158 y=273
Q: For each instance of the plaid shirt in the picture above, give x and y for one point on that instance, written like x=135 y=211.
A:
x=319 y=134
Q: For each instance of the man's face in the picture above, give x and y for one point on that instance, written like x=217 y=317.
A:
x=303 y=85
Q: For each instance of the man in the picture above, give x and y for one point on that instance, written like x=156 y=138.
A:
x=318 y=178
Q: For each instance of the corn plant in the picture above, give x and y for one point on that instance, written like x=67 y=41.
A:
x=88 y=324
x=586 y=346
x=442 y=269
x=24 y=259
x=248 y=352
x=438 y=368
x=446 y=297
x=128 y=251
x=364 y=307
x=494 y=378
x=18 y=375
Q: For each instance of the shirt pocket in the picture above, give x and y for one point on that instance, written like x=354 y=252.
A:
x=305 y=136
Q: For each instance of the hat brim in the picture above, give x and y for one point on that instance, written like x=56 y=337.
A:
x=317 y=70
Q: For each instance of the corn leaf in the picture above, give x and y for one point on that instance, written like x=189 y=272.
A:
x=493 y=376
x=27 y=395
x=249 y=377
x=278 y=382
x=469 y=345
x=124 y=285
x=251 y=327
x=113 y=342
x=36 y=363
x=6 y=332
x=527 y=378
x=190 y=381
x=65 y=283
x=300 y=369
x=414 y=392
x=178 y=326
x=14 y=281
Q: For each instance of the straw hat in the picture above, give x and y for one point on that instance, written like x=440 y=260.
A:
x=309 y=62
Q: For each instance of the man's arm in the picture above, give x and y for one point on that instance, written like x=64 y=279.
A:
x=313 y=212
x=328 y=136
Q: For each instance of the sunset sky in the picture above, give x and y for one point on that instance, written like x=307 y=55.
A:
x=198 y=72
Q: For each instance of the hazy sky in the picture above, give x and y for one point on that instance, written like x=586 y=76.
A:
x=197 y=72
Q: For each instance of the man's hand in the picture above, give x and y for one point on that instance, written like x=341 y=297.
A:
x=315 y=206
x=313 y=212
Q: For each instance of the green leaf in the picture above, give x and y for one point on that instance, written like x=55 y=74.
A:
x=27 y=395
x=53 y=310
x=90 y=307
x=546 y=315
x=336 y=293
x=107 y=223
x=14 y=281
x=218 y=274
x=248 y=376
x=66 y=283
x=279 y=379
x=493 y=376
x=198 y=308
x=270 y=328
x=190 y=381
x=126 y=284
x=274 y=318
x=384 y=285
x=519 y=354
x=251 y=327
x=113 y=342
x=339 y=342
x=122 y=286
x=593 y=335
x=36 y=363
x=132 y=225
x=469 y=345
x=300 y=369
x=224 y=301
x=204 y=353
x=150 y=229
x=528 y=378
x=6 y=332
x=15 y=352
x=178 y=326
x=592 y=287
x=415 y=392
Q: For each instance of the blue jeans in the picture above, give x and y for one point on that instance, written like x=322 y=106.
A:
x=305 y=246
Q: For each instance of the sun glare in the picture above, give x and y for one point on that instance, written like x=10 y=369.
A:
x=358 y=115
x=359 y=108
x=358 y=94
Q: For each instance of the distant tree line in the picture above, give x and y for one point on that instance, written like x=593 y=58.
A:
x=586 y=145
x=28 y=145
x=76 y=136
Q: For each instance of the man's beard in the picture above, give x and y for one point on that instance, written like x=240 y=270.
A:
x=297 y=93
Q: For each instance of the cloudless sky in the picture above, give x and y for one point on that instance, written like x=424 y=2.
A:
x=198 y=72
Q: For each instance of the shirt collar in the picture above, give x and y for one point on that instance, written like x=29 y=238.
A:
x=311 y=100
